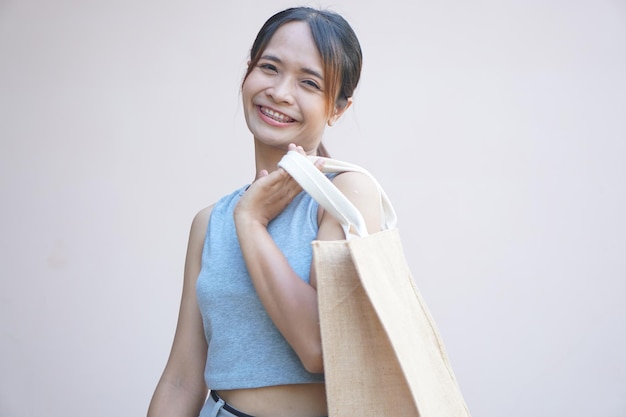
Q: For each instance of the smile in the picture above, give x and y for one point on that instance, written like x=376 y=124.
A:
x=274 y=115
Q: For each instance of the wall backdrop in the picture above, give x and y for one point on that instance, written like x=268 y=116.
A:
x=498 y=129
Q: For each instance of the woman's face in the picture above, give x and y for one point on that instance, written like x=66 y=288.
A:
x=283 y=96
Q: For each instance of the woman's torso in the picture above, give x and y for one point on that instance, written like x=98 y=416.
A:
x=262 y=382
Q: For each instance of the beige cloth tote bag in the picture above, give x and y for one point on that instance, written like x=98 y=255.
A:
x=383 y=356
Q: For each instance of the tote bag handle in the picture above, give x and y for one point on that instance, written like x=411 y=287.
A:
x=322 y=190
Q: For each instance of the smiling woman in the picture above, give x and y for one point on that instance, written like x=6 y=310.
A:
x=248 y=327
x=330 y=53
x=284 y=93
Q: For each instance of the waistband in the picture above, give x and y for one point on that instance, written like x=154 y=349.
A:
x=227 y=407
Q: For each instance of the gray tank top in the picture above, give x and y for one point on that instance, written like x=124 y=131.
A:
x=246 y=350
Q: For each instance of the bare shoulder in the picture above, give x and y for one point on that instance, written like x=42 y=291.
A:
x=199 y=225
x=195 y=244
x=357 y=185
x=202 y=217
x=363 y=192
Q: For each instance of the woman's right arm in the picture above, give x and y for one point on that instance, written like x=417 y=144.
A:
x=181 y=391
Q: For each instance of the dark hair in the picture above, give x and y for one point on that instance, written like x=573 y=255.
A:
x=337 y=44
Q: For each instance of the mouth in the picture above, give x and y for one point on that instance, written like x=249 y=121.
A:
x=275 y=115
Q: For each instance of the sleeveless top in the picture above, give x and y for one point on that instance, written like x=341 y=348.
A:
x=245 y=349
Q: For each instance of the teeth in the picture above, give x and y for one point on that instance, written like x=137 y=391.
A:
x=279 y=117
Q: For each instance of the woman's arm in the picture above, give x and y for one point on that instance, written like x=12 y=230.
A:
x=289 y=301
x=181 y=391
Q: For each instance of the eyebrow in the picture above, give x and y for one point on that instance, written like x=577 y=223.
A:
x=306 y=70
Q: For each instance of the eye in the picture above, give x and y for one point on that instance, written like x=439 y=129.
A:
x=313 y=84
x=267 y=67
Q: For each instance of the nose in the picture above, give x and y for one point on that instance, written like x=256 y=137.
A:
x=281 y=90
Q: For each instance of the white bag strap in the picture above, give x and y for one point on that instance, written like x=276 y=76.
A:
x=322 y=190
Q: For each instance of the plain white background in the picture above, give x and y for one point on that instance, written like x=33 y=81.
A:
x=498 y=129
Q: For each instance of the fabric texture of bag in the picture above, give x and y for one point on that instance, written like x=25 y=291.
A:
x=383 y=355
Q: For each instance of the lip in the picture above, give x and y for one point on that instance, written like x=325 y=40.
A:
x=271 y=121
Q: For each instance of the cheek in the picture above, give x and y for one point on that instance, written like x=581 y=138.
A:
x=246 y=99
x=315 y=106
x=245 y=89
x=249 y=86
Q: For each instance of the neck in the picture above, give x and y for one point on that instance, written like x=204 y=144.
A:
x=267 y=157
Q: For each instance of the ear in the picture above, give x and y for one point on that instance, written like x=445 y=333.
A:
x=339 y=111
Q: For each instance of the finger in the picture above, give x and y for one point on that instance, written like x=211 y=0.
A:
x=277 y=179
x=297 y=148
x=262 y=173
x=289 y=182
x=319 y=163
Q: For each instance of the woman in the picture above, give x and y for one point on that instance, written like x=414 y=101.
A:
x=248 y=326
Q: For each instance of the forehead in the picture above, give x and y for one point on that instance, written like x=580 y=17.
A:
x=293 y=43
